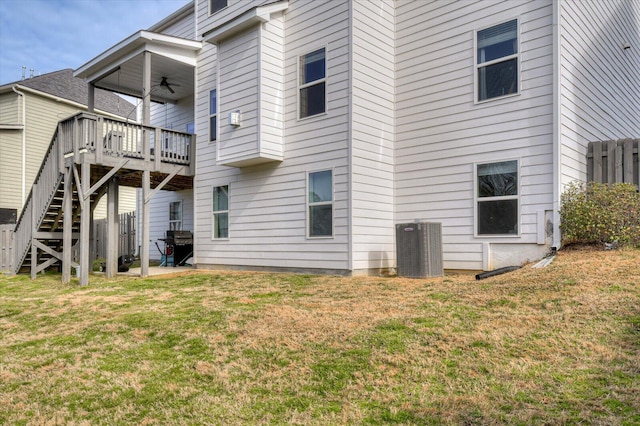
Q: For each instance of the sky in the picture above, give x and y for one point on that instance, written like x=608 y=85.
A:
x=51 y=35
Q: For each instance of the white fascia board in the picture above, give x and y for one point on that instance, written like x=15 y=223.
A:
x=188 y=57
x=132 y=46
x=252 y=17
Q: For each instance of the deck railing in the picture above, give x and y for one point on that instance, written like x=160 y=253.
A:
x=116 y=138
x=42 y=192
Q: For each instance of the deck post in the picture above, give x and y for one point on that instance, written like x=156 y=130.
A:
x=91 y=101
x=112 y=227
x=144 y=248
x=85 y=225
x=67 y=221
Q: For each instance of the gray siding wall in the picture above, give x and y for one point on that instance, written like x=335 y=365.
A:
x=372 y=134
x=268 y=202
x=600 y=89
x=441 y=133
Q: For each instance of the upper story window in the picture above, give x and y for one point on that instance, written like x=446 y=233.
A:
x=221 y=212
x=497 y=198
x=213 y=114
x=175 y=215
x=312 y=83
x=320 y=204
x=497 y=61
x=216 y=5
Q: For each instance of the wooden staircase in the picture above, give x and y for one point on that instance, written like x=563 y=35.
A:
x=88 y=156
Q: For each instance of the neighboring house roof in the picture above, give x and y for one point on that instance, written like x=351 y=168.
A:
x=64 y=85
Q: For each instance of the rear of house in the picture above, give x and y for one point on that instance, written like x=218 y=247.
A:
x=320 y=125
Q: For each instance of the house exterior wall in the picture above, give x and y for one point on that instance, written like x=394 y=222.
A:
x=441 y=133
x=267 y=211
x=42 y=116
x=599 y=91
x=372 y=134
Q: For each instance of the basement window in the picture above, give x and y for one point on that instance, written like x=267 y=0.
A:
x=497 y=198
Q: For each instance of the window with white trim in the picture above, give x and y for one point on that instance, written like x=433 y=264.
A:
x=320 y=204
x=497 y=198
x=221 y=211
x=213 y=114
x=497 y=61
x=312 y=84
x=175 y=215
x=216 y=5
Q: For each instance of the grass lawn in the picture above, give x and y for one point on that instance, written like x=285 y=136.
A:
x=535 y=346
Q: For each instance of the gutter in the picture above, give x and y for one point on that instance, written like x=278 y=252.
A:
x=23 y=185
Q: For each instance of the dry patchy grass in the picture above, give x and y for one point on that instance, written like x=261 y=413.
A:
x=536 y=346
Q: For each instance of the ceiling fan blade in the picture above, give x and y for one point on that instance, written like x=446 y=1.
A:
x=171 y=90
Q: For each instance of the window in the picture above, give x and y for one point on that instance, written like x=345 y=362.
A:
x=497 y=61
x=216 y=5
x=221 y=211
x=213 y=111
x=497 y=198
x=190 y=128
x=175 y=215
x=320 y=211
x=312 y=84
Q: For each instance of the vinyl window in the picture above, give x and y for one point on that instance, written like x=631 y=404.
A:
x=497 y=61
x=221 y=212
x=175 y=215
x=216 y=5
x=320 y=204
x=497 y=198
x=312 y=84
x=213 y=115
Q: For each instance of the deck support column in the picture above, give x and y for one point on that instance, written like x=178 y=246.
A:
x=67 y=222
x=85 y=225
x=112 y=228
x=91 y=98
x=144 y=248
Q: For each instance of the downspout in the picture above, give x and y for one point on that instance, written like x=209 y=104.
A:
x=23 y=186
x=557 y=127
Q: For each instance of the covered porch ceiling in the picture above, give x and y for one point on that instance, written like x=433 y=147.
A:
x=120 y=68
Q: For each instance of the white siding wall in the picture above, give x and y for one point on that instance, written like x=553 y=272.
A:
x=238 y=89
x=372 y=135
x=171 y=116
x=268 y=202
x=272 y=87
x=600 y=89
x=10 y=152
x=441 y=133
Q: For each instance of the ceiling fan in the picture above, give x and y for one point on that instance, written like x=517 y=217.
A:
x=165 y=83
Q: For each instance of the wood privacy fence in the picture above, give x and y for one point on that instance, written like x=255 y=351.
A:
x=6 y=248
x=614 y=161
x=127 y=236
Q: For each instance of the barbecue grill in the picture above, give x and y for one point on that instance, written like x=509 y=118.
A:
x=178 y=247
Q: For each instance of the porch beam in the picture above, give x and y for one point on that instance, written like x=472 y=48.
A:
x=112 y=228
x=144 y=246
x=91 y=97
x=105 y=178
x=85 y=229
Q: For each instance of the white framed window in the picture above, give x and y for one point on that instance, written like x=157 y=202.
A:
x=312 y=84
x=190 y=127
x=498 y=198
x=213 y=115
x=175 y=215
x=220 y=212
x=497 y=61
x=320 y=204
x=216 y=5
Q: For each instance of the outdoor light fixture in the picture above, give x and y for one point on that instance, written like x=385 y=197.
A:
x=234 y=118
x=626 y=46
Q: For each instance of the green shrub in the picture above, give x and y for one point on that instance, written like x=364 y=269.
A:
x=598 y=213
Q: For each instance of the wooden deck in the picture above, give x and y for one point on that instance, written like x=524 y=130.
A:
x=91 y=156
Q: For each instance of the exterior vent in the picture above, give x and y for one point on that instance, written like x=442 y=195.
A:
x=419 y=249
